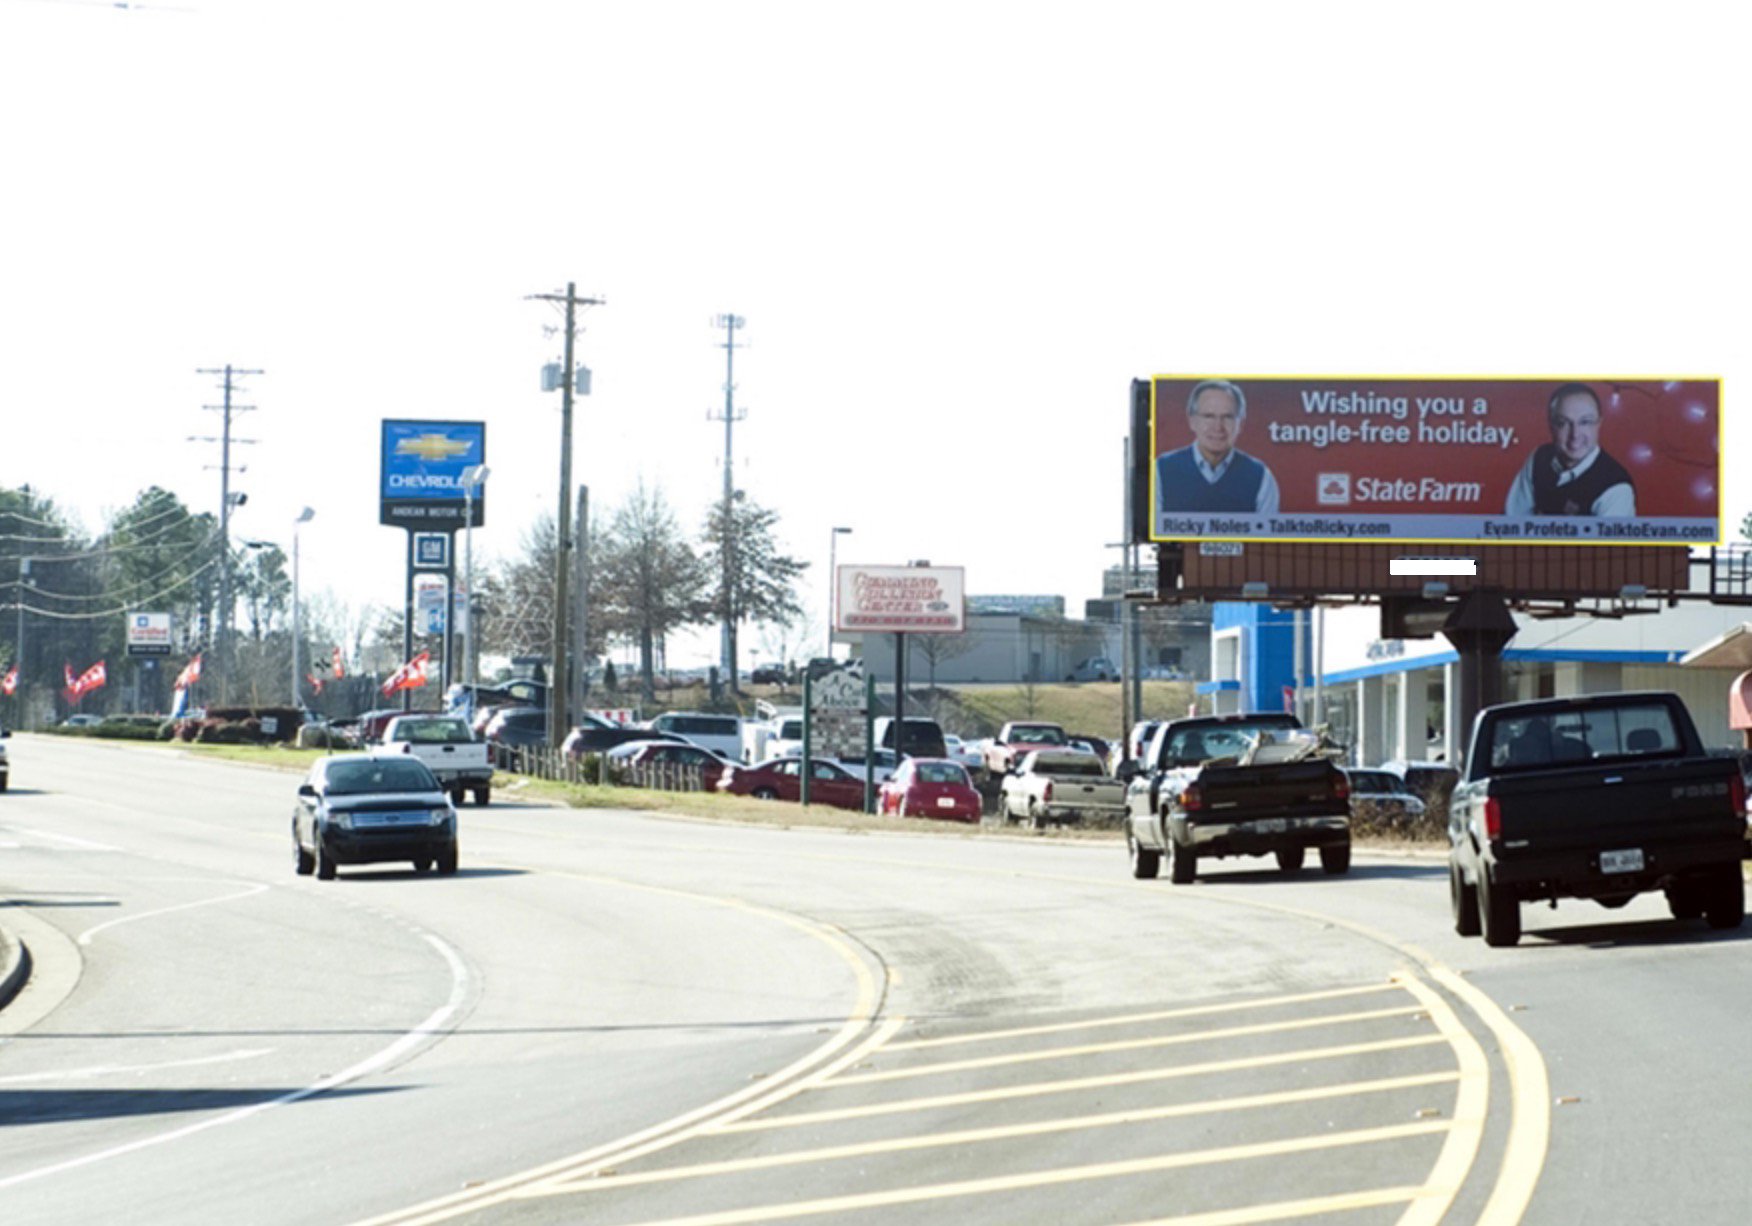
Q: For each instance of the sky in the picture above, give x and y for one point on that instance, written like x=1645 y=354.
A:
x=956 y=232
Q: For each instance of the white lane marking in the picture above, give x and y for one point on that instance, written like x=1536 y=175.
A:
x=84 y=938
x=76 y=844
x=413 y=1038
x=105 y=1070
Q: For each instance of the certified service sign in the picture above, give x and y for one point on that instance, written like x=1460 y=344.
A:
x=148 y=634
x=901 y=599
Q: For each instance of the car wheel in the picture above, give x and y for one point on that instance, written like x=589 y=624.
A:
x=1462 y=901
x=1290 y=858
x=483 y=794
x=1182 y=863
x=447 y=861
x=1726 y=907
x=1685 y=900
x=1036 y=819
x=764 y=794
x=4 y=780
x=423 y=866
x=303 y=862
x=457 y=796
x=1335 y=861
x=1146 y=862
x=325 y=863
x=1499 y=915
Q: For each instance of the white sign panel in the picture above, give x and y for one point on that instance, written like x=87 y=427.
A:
x=901 y=599
x=148 y=634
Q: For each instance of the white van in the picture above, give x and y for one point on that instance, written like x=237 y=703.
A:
x=722 y=734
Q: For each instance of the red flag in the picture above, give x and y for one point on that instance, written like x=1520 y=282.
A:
x=315 y=683
x=339 y=671
x=190 y=674
x=9 y=684
x=410 y=676
x=72 y=685
x=93 y=678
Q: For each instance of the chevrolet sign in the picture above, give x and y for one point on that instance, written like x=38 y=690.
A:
x=420 y=485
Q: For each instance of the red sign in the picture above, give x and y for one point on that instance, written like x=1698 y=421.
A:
x=1498 y=461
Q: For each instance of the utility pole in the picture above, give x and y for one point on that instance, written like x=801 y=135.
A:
x=558 y=679
x=221 y=631
x=730 y=416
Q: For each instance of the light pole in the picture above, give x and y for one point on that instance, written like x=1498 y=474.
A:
x=473 y=477
x=833 y=583
x=304 y=517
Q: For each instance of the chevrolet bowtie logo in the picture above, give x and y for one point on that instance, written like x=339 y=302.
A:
x=432 y=447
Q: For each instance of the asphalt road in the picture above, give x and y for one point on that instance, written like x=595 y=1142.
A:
x=615 y=1018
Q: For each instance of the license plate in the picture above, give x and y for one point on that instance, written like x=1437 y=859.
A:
x=1272 y=825
x=1630 y=861
x=945 y=802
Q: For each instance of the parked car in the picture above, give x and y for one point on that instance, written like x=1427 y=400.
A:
x=1431 y=782
x=923 y=737
x=767 y=674
x=589 y=739
x=1131 y=750
x=1095 y=668
x=1060 y=785
x=883 y=764
x=637 y=761
x=970 y=756
x=930 y=787
x=447 y=747
x=782 y=779
x=360 y=809
x=1381 y=799
x=720 y=733
x=517 y=726
x=82 y=721
x=1098 y=746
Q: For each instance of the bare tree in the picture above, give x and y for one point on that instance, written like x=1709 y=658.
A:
x=648 y=581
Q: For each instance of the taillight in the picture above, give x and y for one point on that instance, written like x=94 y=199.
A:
x=1046 y=793
x=1192 y=799
x=1493 y=818
x=1340 y=785
x=1737 y=790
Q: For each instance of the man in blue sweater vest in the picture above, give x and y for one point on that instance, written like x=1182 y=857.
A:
x=1571 y=475
x=1211 y=474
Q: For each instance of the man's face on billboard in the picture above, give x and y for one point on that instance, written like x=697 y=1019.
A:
x=1216 y=420
x=1575 y=428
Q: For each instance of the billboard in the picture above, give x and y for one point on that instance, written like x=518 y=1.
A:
x=900 y=599
x=420 y=481
x=1549 y=460
x=148 y=634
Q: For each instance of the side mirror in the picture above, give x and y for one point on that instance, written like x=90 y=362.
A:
x=304 y=789
x=1128 y=770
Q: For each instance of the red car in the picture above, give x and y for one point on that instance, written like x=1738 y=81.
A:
x=782 y=779
x=930 y=787
x=663 y=760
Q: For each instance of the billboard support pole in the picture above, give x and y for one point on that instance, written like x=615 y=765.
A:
x=1479 y=628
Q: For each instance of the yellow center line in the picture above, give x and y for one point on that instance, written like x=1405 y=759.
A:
x=1053 y=1178
x=1460 y=1149
x=1090 y=1049
x=1074 y=1085
x=1271 y=1002
x=1344 y=1202
x=1005 y=1132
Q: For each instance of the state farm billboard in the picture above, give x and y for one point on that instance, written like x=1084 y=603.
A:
x=1493 y=460
x=900 y=599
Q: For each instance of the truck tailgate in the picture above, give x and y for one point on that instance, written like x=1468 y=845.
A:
x=1641 y=804
x=1268 y=790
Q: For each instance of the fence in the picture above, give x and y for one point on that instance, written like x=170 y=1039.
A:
x=543 y=762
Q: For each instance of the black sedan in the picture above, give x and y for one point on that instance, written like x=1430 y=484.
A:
x=360 y=809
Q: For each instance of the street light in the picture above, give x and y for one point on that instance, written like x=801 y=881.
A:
x=304 y=517
x=832 y=584
x=473 y=477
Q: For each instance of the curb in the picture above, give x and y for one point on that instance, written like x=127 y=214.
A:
x=14 y=967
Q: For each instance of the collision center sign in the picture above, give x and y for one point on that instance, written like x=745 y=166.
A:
x=900 y=599
x=1551 y=460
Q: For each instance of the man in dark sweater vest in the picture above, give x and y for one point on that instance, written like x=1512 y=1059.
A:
x=1571 y=475
x=1211 y=474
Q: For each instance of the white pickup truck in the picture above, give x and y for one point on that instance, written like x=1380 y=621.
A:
x=1060 y=785
x=446 y=745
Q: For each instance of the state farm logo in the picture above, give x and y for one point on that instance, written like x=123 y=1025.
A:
x=1333 y=489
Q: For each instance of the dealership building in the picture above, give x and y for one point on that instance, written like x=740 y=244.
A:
x=1390 y=698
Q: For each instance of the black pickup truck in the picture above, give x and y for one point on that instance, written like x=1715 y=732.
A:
x=1235 y=785
x=1602 y=796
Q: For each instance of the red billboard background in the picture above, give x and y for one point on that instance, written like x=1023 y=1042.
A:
x=1434 y=448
